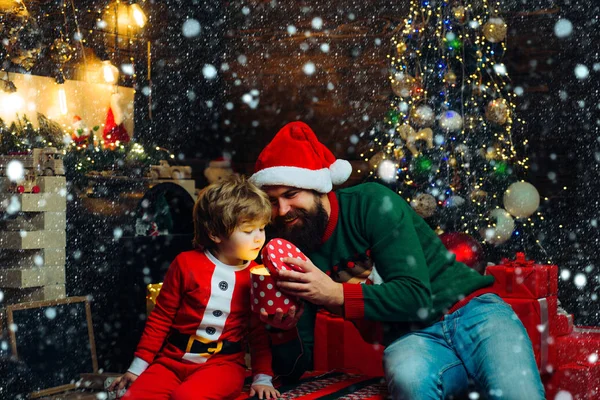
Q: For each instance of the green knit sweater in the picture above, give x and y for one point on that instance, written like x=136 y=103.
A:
x=416 y=280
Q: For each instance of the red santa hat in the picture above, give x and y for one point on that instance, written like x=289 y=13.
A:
x=296 y=158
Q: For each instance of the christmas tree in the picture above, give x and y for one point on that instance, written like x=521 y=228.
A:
x=446 y=143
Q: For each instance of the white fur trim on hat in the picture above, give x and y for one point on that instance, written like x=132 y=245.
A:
x=340 y=171
x=319 y=180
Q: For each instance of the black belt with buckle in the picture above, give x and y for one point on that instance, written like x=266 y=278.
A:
x=182 y=342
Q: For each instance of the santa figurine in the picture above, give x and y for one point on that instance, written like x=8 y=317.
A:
x=81 y=133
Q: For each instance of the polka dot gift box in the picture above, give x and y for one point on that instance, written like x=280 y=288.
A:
x=275 y=251
x=264 y=294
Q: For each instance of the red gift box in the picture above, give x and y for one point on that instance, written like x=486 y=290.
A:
x=576 y=368
x=538 y=315
x=265 y=295
x=339 y=345
x=277 y=249
x=582 y=345
x=564 y=323
x=521 y=278
x=574 y=381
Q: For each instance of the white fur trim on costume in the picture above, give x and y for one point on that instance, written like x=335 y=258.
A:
x=340 y=171
x=319 y=180
x=137 y=366
x=262 y=379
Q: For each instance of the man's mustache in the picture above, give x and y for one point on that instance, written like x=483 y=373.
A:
x=280 y=220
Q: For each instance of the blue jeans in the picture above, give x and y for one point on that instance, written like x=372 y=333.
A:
x=483 y=341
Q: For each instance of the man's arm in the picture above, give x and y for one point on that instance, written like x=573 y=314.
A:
x=387 y=225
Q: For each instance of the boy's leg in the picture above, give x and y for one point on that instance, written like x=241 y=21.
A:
x=213 y=381
x=496 y=349
x=421 y=365
x=157 y=382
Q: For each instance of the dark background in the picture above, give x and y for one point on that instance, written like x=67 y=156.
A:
x=248 y=42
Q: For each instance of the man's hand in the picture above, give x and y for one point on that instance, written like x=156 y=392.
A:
x=311 y=285
x=281 y=321
x=122 y=382
x=264 y=392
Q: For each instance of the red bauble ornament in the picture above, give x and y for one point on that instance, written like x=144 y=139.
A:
x=466 y=249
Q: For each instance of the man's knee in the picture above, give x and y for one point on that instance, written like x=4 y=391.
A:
x=412 y=381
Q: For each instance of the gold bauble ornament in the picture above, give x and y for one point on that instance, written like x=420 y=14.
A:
x=401 y=48
x=422 y=116
x=424 y=204
x=402 y=84
x=61 y=51
x=495 y=30
x=497 y=111
x=459 y=13
x=450 y=77
x=452 y=161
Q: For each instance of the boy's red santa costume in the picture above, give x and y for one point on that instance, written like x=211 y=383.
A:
x=195 y=335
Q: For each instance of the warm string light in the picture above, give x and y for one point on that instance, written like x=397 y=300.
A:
x=502 y=152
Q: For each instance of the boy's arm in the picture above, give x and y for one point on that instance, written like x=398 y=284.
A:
x=160 y=320
x=260 y=351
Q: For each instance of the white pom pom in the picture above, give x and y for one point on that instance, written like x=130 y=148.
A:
x=340 y=171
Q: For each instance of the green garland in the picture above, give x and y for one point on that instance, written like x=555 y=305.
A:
x=81 y=160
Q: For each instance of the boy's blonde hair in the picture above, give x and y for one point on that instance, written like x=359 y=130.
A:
x=224 y=205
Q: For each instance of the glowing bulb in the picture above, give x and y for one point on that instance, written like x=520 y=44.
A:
x=62 y=100
x=138 y=15
x=12 y=103
x=110 y=72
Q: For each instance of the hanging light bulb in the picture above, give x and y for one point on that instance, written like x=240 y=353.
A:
x=138 y=15
x=62 y=100
x=109 y=72
x=62 y=96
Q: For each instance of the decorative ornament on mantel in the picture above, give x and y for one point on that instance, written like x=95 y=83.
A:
x=114 y=129
x=81 y=133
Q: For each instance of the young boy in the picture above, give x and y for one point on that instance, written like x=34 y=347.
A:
x=193 y=343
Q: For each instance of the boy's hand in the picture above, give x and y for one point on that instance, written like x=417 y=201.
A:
x=283 y=321
x=264 y=392
x=122 y=382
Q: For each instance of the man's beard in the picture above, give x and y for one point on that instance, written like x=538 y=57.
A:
x=307 y=233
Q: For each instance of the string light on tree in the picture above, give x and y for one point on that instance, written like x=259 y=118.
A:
x=448 y=131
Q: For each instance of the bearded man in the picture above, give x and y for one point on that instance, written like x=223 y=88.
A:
x=373 y=259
